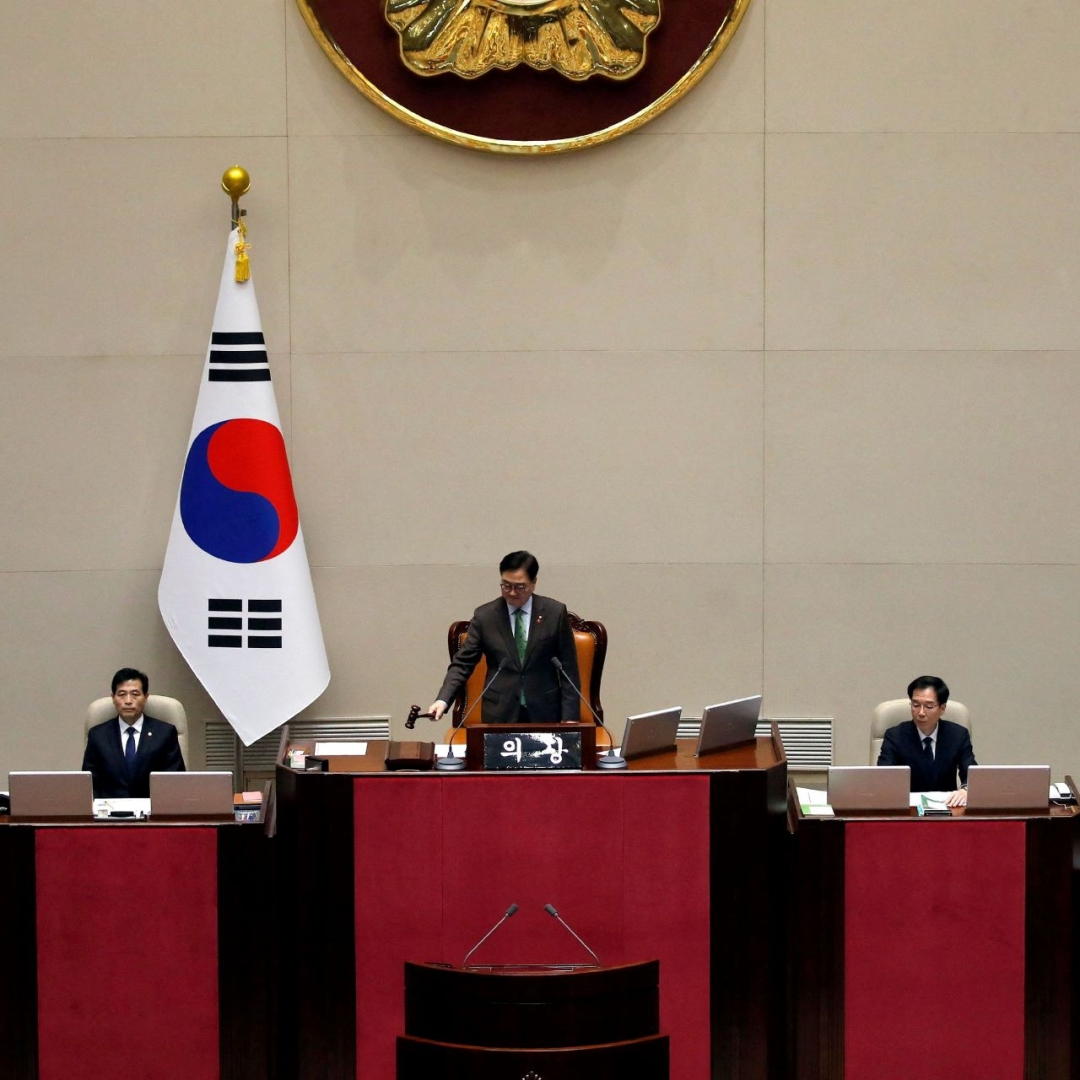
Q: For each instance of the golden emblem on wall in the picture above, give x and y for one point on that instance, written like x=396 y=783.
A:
x=525 y=67
x=576 y=38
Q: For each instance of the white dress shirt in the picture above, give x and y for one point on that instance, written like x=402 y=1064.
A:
x=123 y=733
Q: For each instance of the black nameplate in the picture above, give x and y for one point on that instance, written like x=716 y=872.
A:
x=531 y=750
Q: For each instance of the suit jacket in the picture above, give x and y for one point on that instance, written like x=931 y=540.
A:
x=159 y=751
x=548 y=697
x=903 y=746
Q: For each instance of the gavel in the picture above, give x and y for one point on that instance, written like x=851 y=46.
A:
x=415 y=714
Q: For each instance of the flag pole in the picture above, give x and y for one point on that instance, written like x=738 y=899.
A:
x=235 y=182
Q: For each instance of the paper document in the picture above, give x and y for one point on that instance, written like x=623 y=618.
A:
x=931 y=802
x=814 y=803
x=332 y=749
x=929 y=798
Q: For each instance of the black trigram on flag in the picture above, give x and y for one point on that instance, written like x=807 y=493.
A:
x=263 y=624
x=241 y=358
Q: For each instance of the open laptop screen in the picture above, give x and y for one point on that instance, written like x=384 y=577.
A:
x=1008 y=787
x=651 y=733
x=859 y=788
x=51 y=794
x=191 y=794
x=731 y=723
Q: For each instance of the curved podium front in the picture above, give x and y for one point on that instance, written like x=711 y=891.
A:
x=559 y=1024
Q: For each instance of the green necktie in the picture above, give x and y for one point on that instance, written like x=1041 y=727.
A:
x=519 y=634
x=519 y=640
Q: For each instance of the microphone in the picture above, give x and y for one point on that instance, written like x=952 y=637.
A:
x=610 y=760
x=450 y=762
x=509 y=911
x=550 y=909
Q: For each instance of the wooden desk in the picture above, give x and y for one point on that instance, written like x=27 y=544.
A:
x=933 y=947
x=135 y=949
x=489 y=1025
x=759 y=755
x=677 y=858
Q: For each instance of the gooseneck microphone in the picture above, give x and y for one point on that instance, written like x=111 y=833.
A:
x=450 y=763
x=610 y=760
x=550 y=909
x=509 y=911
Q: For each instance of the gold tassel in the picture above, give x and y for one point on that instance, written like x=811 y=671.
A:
x=243 y=268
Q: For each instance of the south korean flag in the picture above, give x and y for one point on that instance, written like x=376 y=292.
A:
x=235 y=591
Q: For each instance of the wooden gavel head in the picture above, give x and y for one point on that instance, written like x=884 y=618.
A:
x=415 y=714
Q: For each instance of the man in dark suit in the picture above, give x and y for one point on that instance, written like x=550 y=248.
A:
x=122 y=752
x=523 y=632
x=935 y=749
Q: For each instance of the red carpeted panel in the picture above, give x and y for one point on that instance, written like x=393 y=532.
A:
x=667 y=903
x=934 y=950
x=398 y=841
x=624 y=860
x=127 y=953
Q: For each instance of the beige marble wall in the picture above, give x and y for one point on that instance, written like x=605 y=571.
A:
x=782 y=388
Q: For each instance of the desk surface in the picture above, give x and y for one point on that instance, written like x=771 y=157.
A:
x=125 y=823
x=763 y=753
x=796 y=814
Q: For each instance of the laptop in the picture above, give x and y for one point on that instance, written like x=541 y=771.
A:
x=859 y=788
x=1008 y=787
x=191 y=794
x=51 y=794
x=651 y=733
x=731 y=723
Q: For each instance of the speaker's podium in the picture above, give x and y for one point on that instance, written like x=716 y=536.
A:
x=676 y=858
x=556 y=1023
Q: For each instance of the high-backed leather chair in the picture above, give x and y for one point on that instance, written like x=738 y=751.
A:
x=591 y=640
x=161 y=708
x=890 y=713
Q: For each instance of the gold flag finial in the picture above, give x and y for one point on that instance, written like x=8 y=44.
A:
x=236 y=182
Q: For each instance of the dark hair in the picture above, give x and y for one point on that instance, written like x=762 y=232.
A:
x=520 y=560
x=126 y=674
x=930 y=682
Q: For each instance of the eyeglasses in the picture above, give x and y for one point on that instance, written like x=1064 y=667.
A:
x=919 y=706
x=514 y=586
